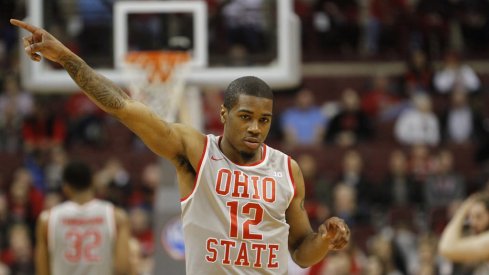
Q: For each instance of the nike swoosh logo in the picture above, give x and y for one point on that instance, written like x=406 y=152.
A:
x=214 y=158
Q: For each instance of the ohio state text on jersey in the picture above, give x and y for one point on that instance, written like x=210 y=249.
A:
x=234 y=220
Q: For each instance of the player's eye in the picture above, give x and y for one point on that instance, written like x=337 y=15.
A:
x=264 y=120
x=245 y=117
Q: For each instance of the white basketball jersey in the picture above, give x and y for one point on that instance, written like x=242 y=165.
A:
x=81 y=238
x=234 y=220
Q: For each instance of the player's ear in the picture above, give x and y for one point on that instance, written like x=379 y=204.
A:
x=224 y=114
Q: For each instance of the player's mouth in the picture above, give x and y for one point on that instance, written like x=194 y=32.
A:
x=252 y=143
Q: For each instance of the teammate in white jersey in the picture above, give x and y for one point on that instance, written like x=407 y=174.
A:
x=83 y=235
x=242 y=202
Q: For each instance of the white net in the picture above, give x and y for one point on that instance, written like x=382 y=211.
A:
x=158 y=79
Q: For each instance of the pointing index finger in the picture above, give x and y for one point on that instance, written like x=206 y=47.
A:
x=23 y=25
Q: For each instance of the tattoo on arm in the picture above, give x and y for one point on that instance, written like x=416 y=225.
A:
x=102 y=90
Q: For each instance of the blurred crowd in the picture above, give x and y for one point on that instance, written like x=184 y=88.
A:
x=393 y=156
x=391 y=28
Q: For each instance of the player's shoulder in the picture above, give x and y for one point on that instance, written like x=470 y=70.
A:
x=44 y=216
x=188 y=131
x=275 y=151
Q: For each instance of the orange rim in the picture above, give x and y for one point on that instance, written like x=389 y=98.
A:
x=160 y=63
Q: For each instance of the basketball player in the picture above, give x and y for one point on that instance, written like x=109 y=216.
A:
x=472 y=247
x=83 y=235
x=242 y=201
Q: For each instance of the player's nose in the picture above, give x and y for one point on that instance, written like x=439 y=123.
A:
x=253 y=127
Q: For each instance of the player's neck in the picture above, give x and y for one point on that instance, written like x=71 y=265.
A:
x=83 y=197
x=238 y=157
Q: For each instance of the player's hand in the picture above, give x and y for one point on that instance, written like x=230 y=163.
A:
x=336 y=231
x=40 y=43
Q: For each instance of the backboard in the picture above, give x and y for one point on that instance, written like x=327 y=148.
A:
x=102 y=34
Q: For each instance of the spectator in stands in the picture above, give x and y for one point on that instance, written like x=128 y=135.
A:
x=482 y=154
x=25 y=201
x=318 y=189
x=350 y=261
x=445 y=186
x=44 y=129
x=421 y=162
x=337 y=24
x=418 y=77
x=304 y=124
x=304 y=9
x=142 y=230
x=383 y=247
x=143 y=194
x=96 y=34
x=381 y=103
x=84 y=121
x=8 y=35
x=374 y=266
x=345 y=205
x=113 y=182
x=398 y=189
x=474 y=23
x=418 y=125
x=350 y=125
x=461 y=123
x=426 y=260
x=144 y=265
x=455 y=75
x=245 y=24
x=53 y=169
x=238 y=56
x=19 y=255
x=4 y=270
x=15 y=105
x=51 y=199
x=338 y=263
x=211 y=105
x=5 y=221
x=385 y=26
x=434 y=25
x=352 y=174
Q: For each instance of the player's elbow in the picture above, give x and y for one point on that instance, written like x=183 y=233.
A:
x=122 y=271
x=445 y=250
x=123 y=268
x=303 y=262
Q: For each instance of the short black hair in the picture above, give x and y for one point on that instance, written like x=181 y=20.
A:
x=77 y=175
x=247 y=85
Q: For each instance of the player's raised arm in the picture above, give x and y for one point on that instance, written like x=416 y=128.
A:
x=163 y=138
x=306 y=246
x=463 y=249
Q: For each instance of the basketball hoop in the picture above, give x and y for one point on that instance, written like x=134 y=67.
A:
x=157 y=78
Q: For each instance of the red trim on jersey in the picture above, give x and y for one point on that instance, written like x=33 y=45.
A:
x=289 y=161
x=198 y=170
x=263 y=155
